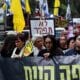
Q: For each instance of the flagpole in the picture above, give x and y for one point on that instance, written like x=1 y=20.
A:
x=5 y=12
x=42 y=17
x=41 y=12
x=68 y=11
x=68 y=1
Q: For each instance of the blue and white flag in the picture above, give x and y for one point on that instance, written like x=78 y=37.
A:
x=44 y=7
x=68 y=12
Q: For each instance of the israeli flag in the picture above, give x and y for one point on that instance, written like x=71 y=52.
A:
x=44 y=7
x=68 y=12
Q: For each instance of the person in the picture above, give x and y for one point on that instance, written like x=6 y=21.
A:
x=51 y=47
x=37 y=13
x=71 y=42
x=8 y=46
x=62 y=43
x=20 y=49
x=64 y=33
x=38 y=44
x=76 y=30
x=76 y=49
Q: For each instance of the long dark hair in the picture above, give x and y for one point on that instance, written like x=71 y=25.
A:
x=68 y=41
x=53 y=40
x=21 y=36
x=8 y=46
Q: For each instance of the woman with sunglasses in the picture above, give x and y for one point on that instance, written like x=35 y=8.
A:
x=51 y=47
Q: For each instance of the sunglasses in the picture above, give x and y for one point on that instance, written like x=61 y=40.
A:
x=49 y=42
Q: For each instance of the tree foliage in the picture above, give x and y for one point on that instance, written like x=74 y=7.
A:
x=74 y=4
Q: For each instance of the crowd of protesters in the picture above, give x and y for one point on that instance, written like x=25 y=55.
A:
x=43 y=46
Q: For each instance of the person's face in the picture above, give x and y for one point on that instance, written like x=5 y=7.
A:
x=48 y=43
x=62 y=40
x=78 y=27
x=39 y=43
x=72 y=44
x=77 y=42
x=75 y=31
x=19 y=43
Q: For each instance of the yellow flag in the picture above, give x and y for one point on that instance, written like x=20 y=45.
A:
x=18 y=18
x=56 y=7
x=28 y=48
x=57 y=3
x=56 y=11
x=4 y=6
x=28 y=10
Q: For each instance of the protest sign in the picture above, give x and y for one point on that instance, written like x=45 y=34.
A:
x=42 y=26
x=37 y=68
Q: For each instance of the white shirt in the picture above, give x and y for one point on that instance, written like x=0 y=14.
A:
x=14 y=55
x=36 y=51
